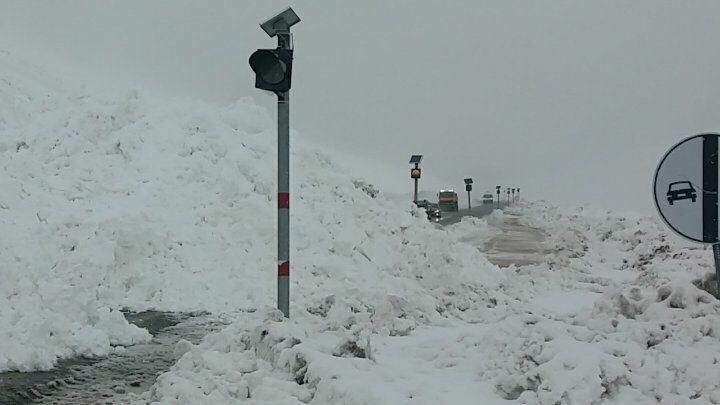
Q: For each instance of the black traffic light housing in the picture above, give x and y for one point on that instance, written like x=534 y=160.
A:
x=468 y=184
x=273 y=69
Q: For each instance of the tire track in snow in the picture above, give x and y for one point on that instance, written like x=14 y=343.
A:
x=109 y=380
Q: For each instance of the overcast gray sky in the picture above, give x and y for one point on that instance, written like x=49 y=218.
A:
x=573 y=101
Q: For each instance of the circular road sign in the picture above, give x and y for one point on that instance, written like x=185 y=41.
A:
x=686 y=188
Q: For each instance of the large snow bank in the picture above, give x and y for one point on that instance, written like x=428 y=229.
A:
x=640 y=332
x=110 y=202
x=613 y=317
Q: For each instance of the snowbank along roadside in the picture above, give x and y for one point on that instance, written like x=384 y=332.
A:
x=137 y=202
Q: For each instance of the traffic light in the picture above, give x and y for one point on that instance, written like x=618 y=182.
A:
x=415 y=173
x=273 y=69
x=468 y=184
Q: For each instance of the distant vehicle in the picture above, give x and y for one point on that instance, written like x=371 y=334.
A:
x=448 y=200
x=681 y=190
x=434 y=214
x=422 y=203
x=487 y=199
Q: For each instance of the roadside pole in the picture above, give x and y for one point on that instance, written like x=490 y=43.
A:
x=716 y=254
x=497 y=190
x=415 y=196
x=273 y=72
x=415 y=174
x=283 y=218
x=468 y=187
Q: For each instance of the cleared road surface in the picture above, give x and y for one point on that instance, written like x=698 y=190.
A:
x=480 y=210
x=517 y=244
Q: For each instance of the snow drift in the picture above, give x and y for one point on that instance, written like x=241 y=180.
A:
x=131 y=201
x=617 y=315
x=135 y=202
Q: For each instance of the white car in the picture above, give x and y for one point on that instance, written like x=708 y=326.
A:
x=487 y=199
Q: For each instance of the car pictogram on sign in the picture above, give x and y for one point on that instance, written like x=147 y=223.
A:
x=681 y=190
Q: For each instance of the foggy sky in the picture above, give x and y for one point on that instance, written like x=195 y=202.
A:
x=572 y=101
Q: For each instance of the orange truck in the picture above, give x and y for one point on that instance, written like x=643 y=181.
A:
x=448 y=200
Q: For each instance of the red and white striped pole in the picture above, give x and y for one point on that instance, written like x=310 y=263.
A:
x=273 y=70
x=283 y=248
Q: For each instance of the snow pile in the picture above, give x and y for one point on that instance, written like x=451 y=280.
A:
x=641 y=331
x=110 y=202
x=135 y=202
x=618 y=320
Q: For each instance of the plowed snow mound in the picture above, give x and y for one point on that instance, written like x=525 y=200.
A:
x=131 y=201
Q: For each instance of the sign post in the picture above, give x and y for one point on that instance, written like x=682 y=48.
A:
x=685 y=188
x=497 y=190
x=273 y=72
x=415 y=173
x=508 y=195
x=468 y=188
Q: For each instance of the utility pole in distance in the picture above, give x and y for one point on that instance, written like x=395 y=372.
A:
x=273 y=72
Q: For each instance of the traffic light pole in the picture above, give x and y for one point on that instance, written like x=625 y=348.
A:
x=716 y=255
x=283 y=218
x=415 y=194
x=273 y=72
x=469 y=206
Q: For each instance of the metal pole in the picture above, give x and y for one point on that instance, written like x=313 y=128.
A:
x=283 y=247
x=716 y=255
x=415 y=194
x=469 y=206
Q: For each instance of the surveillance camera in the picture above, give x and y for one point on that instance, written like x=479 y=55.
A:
x=281 y=22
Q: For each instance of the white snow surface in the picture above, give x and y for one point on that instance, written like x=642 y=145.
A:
x=135 y=202
x=132 y=201
x=613 y=317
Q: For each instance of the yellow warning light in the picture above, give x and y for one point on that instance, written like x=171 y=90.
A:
x=415 y=173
